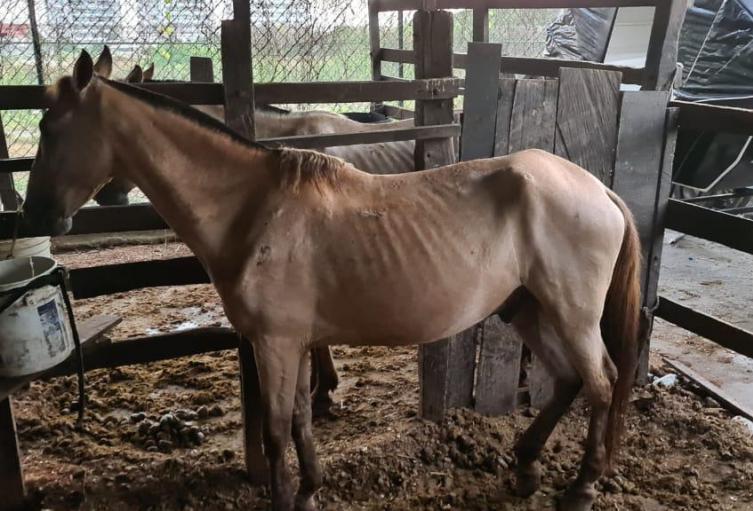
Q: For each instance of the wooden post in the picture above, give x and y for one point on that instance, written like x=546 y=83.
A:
x=481 y=24
x=237 y=82
x=445 y=367
x=481 y=91
x=432 y=44
x=374 y=48
x=202 y=70
x=11 y=474
x=661 y=57
x=653 y=258
x=498 y=372
x=35 y=41
x=8 y=195
x=237 y=74
x=642 y=177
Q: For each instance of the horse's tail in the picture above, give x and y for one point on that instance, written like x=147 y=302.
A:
x=620 y=325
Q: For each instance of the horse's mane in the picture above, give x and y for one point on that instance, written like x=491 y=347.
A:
x=302 y=166
x=297 y=166
x=163 y=102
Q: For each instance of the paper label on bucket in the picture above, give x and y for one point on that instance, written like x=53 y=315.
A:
x=52 y=327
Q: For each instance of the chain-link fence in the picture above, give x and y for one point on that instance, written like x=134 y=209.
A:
x=293 y=40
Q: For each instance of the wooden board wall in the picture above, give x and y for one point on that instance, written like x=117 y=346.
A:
x=587 y=112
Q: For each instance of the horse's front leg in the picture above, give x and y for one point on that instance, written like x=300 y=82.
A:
x=278 y=361
x=311 y=473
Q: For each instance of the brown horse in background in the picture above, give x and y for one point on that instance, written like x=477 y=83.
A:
x=305 y=250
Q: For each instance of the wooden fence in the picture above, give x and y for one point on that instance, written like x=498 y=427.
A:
x=657 y=73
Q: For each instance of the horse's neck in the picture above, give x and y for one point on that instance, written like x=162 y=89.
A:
x=199 y=181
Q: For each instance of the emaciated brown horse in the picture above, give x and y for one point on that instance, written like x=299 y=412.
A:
x=305 y=250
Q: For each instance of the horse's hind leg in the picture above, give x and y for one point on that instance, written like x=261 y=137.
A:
x=324 y=380
x=311 y=473
x=599 y=375
x=539 y=336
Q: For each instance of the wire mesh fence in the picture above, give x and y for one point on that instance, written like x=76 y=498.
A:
x=292 y=40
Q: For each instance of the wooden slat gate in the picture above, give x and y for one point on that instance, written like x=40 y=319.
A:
x=625 y=139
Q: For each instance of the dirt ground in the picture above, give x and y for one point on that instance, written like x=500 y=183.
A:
x=682 y=452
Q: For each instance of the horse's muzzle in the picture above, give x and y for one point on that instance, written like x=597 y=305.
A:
x=42 y=223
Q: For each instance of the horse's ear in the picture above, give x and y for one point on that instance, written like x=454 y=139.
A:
x=136 y=75
x=103 y=66
x=149 y=72
x=83 y=71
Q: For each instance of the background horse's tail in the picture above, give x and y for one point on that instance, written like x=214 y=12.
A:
x=620 y=326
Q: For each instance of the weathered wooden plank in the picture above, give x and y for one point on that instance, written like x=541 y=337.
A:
x=504 y=116
x=642 y=178
x=256 y=462
x=12 y=486
x=729 y=230
x=716 y=392
x=527 y=65
x=343 y=92
x=397 y=5
x=461 y=364
x=714 y=329
x=374 y=44
x=22 y=97
x=137 y=217
x=498 y=372
x=534 y=115
x=439 y=361
x=653 y=259
x=11 y=165
x=441 y=131
x=482 y=88
x=98 y=219
x=153 y=348
x=236 y=76
x=661 y=57
x=202 y=69
x=118 y=278
x=638 y=164
x=587 y=114
x=8 y=196
x=540 y=383
x=432 y=41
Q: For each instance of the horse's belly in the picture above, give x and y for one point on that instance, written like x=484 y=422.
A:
x=415 y=309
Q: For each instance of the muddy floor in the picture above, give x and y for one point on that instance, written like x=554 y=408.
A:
x=682 y=451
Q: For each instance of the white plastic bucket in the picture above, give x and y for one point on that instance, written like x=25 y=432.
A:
x=34 y=331
x=25 y=247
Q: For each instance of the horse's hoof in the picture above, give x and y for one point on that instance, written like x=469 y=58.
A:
x=305 y=503
x=572 y=501
x=527 y=481
x=321 y=407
